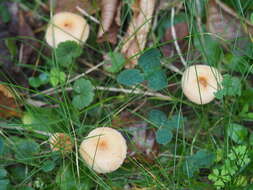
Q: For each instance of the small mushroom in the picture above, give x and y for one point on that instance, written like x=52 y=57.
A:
x=66 y=26
x=104 y=149
x=60 y=142
x=200 y=82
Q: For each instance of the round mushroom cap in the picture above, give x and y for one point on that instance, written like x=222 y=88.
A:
x=67 y=26
x=104 y=149
x=60 y=142
x=200 y=82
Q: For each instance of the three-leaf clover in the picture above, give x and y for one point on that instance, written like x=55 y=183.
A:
x=57 y=76
x=84 y=93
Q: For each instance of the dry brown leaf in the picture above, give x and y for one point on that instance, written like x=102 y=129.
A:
x=136 y=36
x=142 y=144
x=70 y=6
x=110 y=21
x=224 y=22
x=8 y=105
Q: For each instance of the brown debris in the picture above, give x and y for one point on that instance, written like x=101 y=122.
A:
x=142 y=144
x=137 y=32
x=8 y=105
x=110 y=21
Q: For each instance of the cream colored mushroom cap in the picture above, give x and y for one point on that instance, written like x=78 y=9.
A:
x=200 y=82
x=65 y=26
x=104 y=149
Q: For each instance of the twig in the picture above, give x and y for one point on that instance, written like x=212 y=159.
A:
x=172 y=68
x=126 y=91
x=82 y=11
x=133 y=91
x=173 y=32
x=24 y=129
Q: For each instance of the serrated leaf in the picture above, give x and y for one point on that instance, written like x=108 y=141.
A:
x=157 y=80
x=237 y=133
x=231 y=86
x=163 y=135
x=115 y=63
x=130 y=77
x=66 y=52
x=150 y=60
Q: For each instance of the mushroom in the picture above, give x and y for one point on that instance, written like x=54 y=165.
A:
x=200 y=82
x=60 y=142
x=104 y=149
x=67 y=26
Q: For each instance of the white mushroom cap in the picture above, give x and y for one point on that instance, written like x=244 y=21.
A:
x=60 y=142
x=104 y=149
x=65 y=26
x=200 y=82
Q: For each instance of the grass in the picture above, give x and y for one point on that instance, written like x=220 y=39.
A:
x=32 y=164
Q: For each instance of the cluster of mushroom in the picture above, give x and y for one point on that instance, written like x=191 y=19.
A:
x=104 y=149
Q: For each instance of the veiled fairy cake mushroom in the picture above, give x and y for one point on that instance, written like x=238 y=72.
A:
x=200 y=82
x=66 y=26
x=60 y=142
x=104 y=149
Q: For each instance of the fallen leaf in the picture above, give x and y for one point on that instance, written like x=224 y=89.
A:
x=110 y=21
x=137 y=32
x=28 y=39
x=70 y=6
x=8 y=105
x=9 y=70
x=142 y=143
x=224 y=21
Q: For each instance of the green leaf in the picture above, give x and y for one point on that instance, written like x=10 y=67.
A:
x=158 y=118
x=57 y=76
x=1 y=146
x=67 y=52
x=83 y=86
x=48 y=166
x=202 y=158
x=237 y=63
x=4 y=184
x=4 y=13
x=12 y=47
x=130 y=77
x=34 y=82
x=251 y=139
x=115 y=63
x=163 y=135
x=66 y=180
x=210 y=48
x=25 y=149
x=157 y=80
x=150 y=60
x=18 y=173
x=84 y=93
x=251 y=18
x=3 y=173
x=231 y=86
x=237 y=133
x=82 y=101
